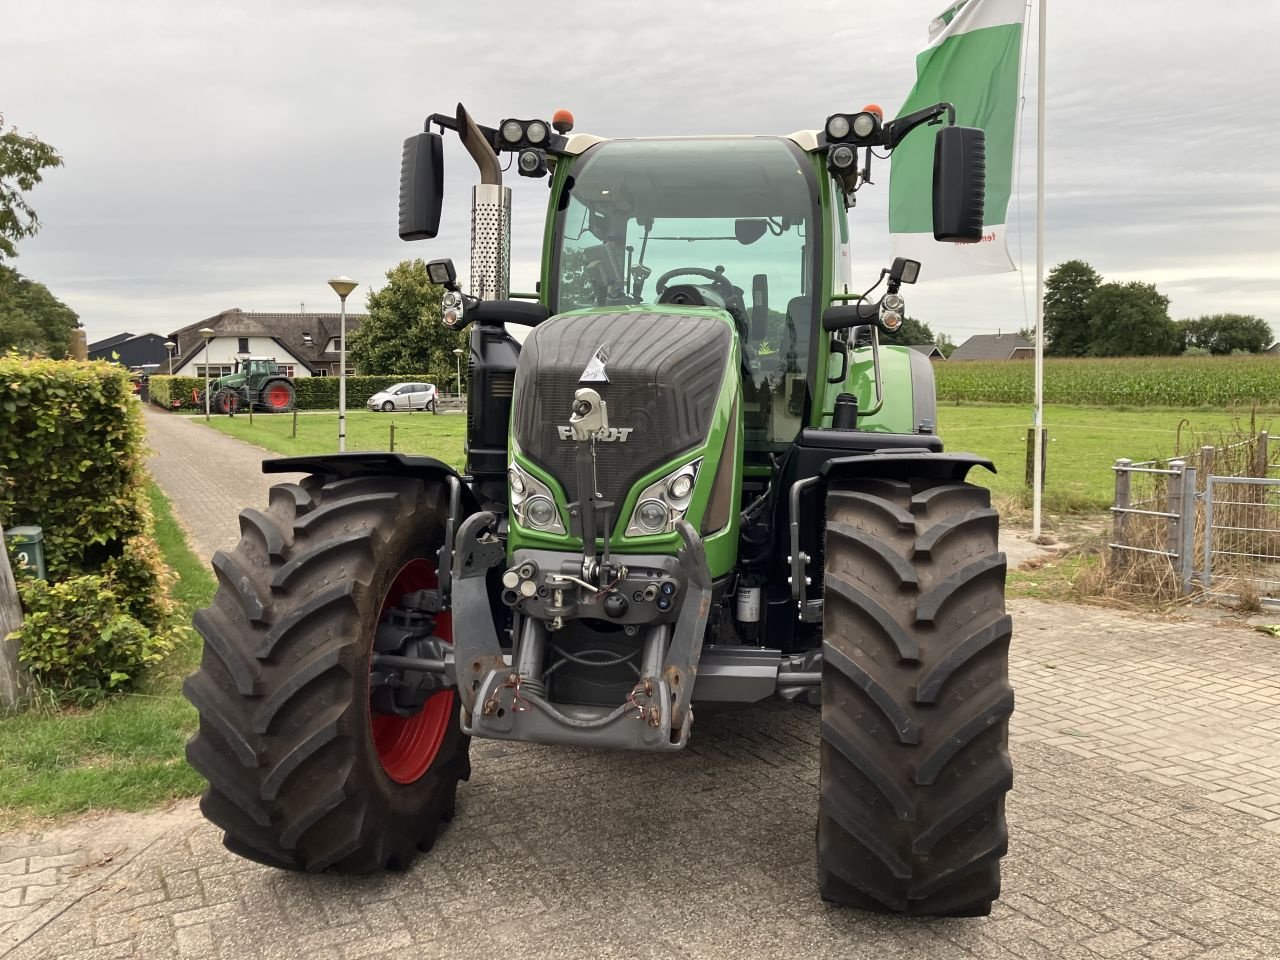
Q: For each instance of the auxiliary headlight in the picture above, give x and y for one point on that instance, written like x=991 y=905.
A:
x=661 y=504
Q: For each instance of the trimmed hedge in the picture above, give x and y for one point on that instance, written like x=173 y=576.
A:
x=72 y=460
x=311 y=393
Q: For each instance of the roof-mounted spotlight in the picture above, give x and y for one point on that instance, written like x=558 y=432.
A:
x=532 y=162
x=842 y=159
x=862 y=129
x=518 y=134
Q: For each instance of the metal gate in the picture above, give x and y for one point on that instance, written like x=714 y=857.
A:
x=1241 y=553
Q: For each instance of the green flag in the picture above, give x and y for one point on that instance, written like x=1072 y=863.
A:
x=971 y=61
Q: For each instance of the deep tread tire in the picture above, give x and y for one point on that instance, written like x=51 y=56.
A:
x=282 y=690
x=915 y=699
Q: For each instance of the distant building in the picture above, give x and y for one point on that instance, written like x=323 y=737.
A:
x=930 y=350
x=304 y=344
x=995 y=346
x=145 y=350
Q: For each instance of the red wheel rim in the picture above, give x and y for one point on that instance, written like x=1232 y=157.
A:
x=407 y=746
x=278 y=396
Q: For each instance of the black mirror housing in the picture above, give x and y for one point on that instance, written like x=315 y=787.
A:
x=959 y=184
x=421 y=186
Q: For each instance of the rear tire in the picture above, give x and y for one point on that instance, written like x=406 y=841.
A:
x=915 y=699
x=278 y=396
x=286 y=739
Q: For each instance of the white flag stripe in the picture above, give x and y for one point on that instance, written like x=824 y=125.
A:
x=940 y=261
x=977 y=16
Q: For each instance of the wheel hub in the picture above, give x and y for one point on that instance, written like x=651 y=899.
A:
x=410 y=709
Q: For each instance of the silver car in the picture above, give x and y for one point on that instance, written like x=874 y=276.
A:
x=404 y=396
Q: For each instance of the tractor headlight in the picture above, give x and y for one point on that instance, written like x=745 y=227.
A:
x=864 y=125
x=532 y=502
x=661 y=504
x=540 y=512
x=841 y=159
x=536 y=132
x=837 y=127
x=513 y=131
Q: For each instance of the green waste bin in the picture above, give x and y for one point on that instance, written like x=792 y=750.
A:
x=28 y=545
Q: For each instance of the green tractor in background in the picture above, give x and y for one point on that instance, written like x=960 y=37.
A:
x=699 y=477
x=257 y=383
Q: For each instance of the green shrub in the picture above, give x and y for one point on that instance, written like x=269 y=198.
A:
x=77 y=636
x=175 y=393
x=72 y=460
x=321 y=393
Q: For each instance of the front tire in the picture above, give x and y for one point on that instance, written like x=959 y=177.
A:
x=387 y=406
x=302 y=773
x=915 y=699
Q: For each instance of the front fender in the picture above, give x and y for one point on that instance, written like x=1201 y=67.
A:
x=905 y=465
x=343 y=466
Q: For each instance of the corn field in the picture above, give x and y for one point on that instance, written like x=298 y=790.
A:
x=1118 y=381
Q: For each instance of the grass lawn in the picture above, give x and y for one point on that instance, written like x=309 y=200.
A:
x=125 y=753
x=438 y=436
x=1083 y=441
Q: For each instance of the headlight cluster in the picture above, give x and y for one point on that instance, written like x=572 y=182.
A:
x=661 y=504
x=532 y=502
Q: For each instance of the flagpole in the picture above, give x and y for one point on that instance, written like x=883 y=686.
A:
x=1037 y=467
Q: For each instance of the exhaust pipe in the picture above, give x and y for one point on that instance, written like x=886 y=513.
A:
x=490 y=216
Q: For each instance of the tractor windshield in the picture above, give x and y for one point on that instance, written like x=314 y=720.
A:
x=731 y=218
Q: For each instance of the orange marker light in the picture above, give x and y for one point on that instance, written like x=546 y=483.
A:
x=873 y=108
x=562 y=121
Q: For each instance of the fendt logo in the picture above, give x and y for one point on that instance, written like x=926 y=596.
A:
x=607 y=435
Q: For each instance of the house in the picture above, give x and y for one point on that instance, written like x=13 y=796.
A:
x=995 y=346
x=303 y=344
x=140 y=352
x=930 y=350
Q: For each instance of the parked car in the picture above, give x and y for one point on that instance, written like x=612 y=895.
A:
x=404 y=396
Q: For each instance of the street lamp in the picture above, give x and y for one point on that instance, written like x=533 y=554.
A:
x=207 y=333
x=169 y=347
x=457 y=362
x=342 y=286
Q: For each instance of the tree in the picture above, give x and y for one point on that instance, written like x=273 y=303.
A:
x=1131 y=320
x=1224 y=333
x=22 y=159
x=33 y=320
x=911 y=332
x=403 y=332
x=946 y=345
x=1066 y=315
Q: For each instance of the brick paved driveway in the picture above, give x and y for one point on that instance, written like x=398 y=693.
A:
x=1145 y=822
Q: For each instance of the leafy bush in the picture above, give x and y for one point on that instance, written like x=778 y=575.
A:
x=175 y=393
x=77 y=636
x=72 y=460
x=1122 y=381
x=321 y=393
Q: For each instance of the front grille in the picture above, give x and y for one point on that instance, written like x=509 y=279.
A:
x=665 y=372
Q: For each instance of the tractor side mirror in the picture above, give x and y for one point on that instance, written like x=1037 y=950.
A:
x=959 y=184
x=421 y=186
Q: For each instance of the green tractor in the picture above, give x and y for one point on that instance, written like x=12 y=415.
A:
x=699 y=477
x=256 y=382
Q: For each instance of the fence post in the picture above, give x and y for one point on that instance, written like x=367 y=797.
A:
x=295 y=423
x=1206 y=574
x=1031 y=454
x=13 y=685
x=1120 y=519
x=1173 y=504
x=1186 y=552
x=1260 y=459
x=393 y=436
x=1207 y=455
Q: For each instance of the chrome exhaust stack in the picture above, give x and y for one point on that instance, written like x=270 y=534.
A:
x=490 y=216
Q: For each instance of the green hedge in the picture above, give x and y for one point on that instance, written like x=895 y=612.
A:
x=72 y=460
x=1118 y=381
x=311 y=393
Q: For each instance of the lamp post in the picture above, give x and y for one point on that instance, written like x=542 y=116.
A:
x=342 y=286
x=169 y=347
x=207 y=333
x=457 y=362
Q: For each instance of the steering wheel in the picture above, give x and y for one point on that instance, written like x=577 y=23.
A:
x=718 y=280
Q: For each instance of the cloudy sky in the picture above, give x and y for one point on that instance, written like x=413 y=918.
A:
x=239 y=153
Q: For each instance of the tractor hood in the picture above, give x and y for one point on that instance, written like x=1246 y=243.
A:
x=660 y=375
